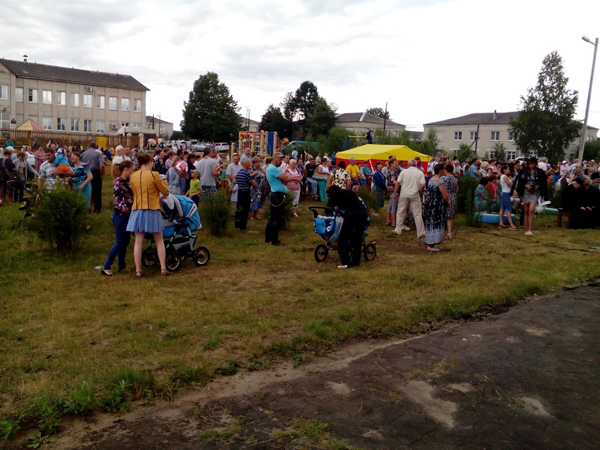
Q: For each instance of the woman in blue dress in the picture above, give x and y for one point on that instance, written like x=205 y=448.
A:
x=435 y=215
x=81 y=176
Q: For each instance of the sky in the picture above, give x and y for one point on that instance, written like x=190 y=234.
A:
x=429 y=60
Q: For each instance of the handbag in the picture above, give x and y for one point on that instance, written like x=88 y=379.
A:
x=318 y=176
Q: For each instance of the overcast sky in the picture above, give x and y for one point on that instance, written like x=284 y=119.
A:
x=429 y=59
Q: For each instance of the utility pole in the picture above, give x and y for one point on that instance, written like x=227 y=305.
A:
x=587 y=108
x=385 y=117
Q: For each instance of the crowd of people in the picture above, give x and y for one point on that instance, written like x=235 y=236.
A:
x=419 y=196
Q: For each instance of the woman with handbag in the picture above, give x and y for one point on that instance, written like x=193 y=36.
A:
x=531 y=185
x=322 y=176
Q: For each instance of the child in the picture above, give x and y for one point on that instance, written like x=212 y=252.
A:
x=195 y=187
x=61 y=160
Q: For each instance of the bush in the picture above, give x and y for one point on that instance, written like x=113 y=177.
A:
x=60 y=218
x=287 y=211
x=215 y=213
x=367 y=196
x=466 y=189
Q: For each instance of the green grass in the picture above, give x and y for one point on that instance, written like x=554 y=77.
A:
x=62 y=324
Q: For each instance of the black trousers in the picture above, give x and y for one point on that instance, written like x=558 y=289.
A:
x=272 y=230
x=351 y=237
x=242 y=209
x=97 y=191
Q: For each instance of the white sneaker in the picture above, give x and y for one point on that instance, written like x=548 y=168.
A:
x=296 y=215
x=398 y=231
x=405 y=228
x=528 y=233
x=342 y=266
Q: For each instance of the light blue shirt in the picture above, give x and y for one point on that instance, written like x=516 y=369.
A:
x=473 y=171
x=274 y=181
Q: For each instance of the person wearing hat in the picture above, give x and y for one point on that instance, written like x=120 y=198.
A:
x=278 y=184
x=176 y=177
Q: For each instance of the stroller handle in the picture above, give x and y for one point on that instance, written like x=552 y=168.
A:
x=316 y=210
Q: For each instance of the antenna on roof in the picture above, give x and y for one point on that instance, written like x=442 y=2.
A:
x=25 y=58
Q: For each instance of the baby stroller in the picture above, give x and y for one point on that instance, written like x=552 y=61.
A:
x=180 y=220
x=329 y=227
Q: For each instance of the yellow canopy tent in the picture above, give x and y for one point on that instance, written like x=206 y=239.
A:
x=375 y=152
x=29 y=125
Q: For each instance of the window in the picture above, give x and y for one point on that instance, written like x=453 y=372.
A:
x=61 y=98
x=100 y=126
x=137 y=125
x=4 y=120
x=491 y=153
x=61 y=124
x=137 y=105
x=33 y=95
x=47 y=97
x=18 y=94
x=472 y=135
x=495 y=136
x=162 y=128
x=101 y=102
x=511 y=155
x=3 y=92
x=458 y=135
x=74 y=124
x=511 y=136
x=124 y=104
x=124 y=124
x=47 y=123
x=112 y=103
x=87 y=126
x=74 y=99
x=87 y=100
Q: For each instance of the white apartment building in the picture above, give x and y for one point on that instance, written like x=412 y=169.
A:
x=68 y=99
x=360 y=123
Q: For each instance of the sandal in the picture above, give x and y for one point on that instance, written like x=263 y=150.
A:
x=139 y=274
x=502 y=226
x=389 y=223
x=433 y=249
x=165 y=273
x=449 y=236
x=108 y=273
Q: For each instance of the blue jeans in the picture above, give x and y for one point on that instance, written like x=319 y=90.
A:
x=119 y=249
x=312 y=184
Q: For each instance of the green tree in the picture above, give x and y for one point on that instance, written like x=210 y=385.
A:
x=336 y=140
x=430 y=143
x=177 y=135
x=464 y=151
x=321 y=120
x=545 y=122
x=211 y=112
x=500 y=151
x=300 y=107
x=379 y=112
x=592 y=150
x=273 y=120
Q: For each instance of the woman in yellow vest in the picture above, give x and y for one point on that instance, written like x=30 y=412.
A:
x=145 y=213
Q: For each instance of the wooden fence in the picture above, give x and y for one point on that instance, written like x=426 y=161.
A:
x=23 y=138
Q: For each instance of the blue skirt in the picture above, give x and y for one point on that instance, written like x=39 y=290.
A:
x=145 y=221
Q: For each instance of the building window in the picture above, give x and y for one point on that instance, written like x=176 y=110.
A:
x=100 y=126
x=74 y=99
x=87 y=126
x=137 y=105
x=61 y=98
x=18 y=94
x=491 y=153
x=458 y=135
x=87 y=100
x=137 y=125
x=124 y=124
x=112 y=103
x=511 y=155
x=3 y=92
x=495 y=136
x=47 y=97
x=101 y=102
x=47 y=123
x=33 y=95
x=4 y=120
x=61 y=124
x=511 y=136
x=124 y=104
x=472 y=135
x=162 y=129
x=74 y=124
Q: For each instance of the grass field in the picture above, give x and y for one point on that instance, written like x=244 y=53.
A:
x=62 y=324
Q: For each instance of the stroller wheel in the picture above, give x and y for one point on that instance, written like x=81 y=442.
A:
x=173 y=261
x=149 y=258
x=201 y=256
x=321 y=253
x=370 y=251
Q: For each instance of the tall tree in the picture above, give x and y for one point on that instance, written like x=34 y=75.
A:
x=322 y=119
x=273 y=120
x=211 y=112
x=545 y=122
x=379 y=112
x=430 y=143
x=300 y=107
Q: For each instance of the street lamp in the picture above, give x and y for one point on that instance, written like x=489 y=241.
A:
x=587 y=108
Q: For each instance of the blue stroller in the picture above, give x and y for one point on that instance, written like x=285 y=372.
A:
x=180 y=220
x=329 y=227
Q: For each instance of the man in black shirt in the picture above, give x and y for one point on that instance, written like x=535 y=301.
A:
x=356 y=218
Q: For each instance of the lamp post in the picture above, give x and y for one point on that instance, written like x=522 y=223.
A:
x=587 y=107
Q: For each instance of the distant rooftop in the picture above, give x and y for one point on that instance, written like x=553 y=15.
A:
x=363 y=117
x=45 y=72
x=149 y=118
x=479 y=119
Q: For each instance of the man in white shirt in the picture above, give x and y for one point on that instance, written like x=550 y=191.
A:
x=209 y=171
x=284 y=164
x=232 y=171
x=412 y=182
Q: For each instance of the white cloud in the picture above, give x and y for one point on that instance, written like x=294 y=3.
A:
x=430 y=60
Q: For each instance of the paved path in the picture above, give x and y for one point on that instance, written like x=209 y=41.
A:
x=525 y=379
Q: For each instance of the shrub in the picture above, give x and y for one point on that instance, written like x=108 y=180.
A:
x=81 y=401
x=287 y=211
x=60 y=219
x=215 y=213
x=367 y=196
x=466 y=189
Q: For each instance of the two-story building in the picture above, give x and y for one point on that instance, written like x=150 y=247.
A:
x=486 y=132
x=360 y=123
x=159 y=127
x=68 y=99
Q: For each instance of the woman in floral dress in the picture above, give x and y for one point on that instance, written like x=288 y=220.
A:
x=451 y=184
x=258 y=176
x=435 y=215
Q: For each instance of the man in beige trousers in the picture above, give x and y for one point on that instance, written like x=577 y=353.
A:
x=412 y=182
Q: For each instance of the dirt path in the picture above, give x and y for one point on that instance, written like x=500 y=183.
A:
x=525 y=379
